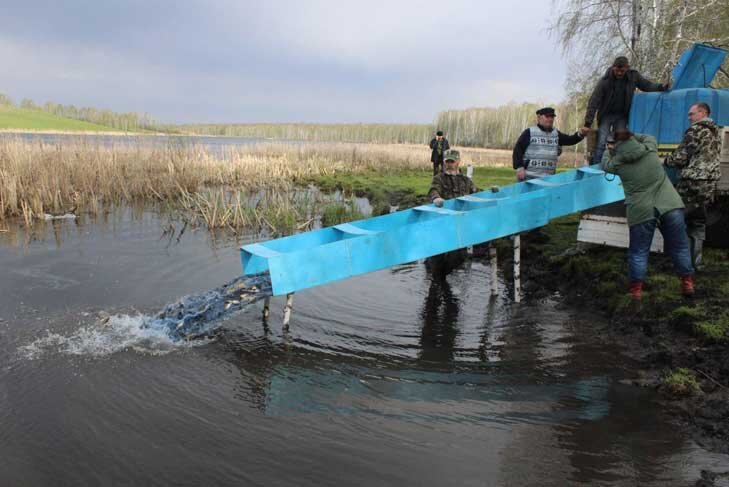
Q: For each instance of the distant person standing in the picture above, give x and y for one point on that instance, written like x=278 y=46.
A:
x=697 y=158
x=439 y=144
x=537 y=149
x=611 y=100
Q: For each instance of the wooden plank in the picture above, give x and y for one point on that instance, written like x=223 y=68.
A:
x=615 y=234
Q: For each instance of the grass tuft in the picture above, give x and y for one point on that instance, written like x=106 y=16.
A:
x=716 y=330
x=339 y=212
x=681 y=382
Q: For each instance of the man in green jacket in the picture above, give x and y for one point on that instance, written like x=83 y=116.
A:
x=651 y=200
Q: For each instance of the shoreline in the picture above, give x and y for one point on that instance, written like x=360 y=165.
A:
x=83 y=132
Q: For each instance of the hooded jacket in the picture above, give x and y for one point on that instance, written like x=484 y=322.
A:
x=604 y=92
x=648 y=191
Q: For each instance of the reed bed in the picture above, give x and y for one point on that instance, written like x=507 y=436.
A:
x=243 y=186
x=274 y=212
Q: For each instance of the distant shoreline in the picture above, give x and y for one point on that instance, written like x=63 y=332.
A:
x=82 y=132
x=121 y=133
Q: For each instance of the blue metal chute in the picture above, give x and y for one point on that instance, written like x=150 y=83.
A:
x=330 y=254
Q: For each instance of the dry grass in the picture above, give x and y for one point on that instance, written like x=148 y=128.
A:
x=36 y=178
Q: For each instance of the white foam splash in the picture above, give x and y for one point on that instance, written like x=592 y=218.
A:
x=119 y=333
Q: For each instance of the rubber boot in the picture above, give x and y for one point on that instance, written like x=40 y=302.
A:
x=636 y=289
x=687 y=286
x=697 y=246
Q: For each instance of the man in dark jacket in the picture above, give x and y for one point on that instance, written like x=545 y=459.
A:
x=611 y=100
x=439 y=144
x=537 y=149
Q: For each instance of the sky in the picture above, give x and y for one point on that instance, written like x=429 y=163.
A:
x=342 y=61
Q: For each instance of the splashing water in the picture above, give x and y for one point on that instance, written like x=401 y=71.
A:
x=191 y=321
x=194 y=316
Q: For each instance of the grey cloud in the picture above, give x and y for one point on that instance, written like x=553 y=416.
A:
x=280 y=61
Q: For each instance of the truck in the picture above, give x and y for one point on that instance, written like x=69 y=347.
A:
x=664 y=116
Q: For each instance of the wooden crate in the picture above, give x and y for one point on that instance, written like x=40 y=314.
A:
x=610 y=230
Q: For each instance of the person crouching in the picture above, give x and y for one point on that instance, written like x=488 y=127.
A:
x=651 y=201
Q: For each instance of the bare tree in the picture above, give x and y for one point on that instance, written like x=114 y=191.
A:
x=652 y=33
x=6 y=101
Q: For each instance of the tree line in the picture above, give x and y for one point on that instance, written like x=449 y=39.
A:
x=374 y=132
x=499 y=127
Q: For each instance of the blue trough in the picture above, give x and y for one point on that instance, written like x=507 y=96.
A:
x=327 y=255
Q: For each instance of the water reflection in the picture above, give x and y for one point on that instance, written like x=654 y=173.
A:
x=440 y=320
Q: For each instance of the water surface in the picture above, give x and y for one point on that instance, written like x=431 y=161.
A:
x=384 y=379
x=216 y=146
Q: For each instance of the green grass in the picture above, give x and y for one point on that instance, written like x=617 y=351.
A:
x=339 y=212
x=394 y=185
x=23 y=119
x=681 y=382
x=716 y=330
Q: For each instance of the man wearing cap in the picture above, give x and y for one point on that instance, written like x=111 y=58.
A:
x=450 y=183
x=537 y=149
x=697 y=157
x=439 y=144
x=611 y=100
x=447 y=185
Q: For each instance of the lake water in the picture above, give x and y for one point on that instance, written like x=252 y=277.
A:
x=213 y=145
x=384 y=379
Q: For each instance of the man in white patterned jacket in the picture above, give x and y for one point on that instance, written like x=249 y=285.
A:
x=537 y=149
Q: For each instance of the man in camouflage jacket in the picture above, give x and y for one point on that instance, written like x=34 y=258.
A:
x=697 y=158
x=450 y=183
x=447 y=185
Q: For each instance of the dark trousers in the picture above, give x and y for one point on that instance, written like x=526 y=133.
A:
x=695 y=215
x=437 y=167
x=608 y=124
x=673 y=228
x=439 y=266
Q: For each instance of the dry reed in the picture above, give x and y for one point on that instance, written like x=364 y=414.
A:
x=37 y=178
